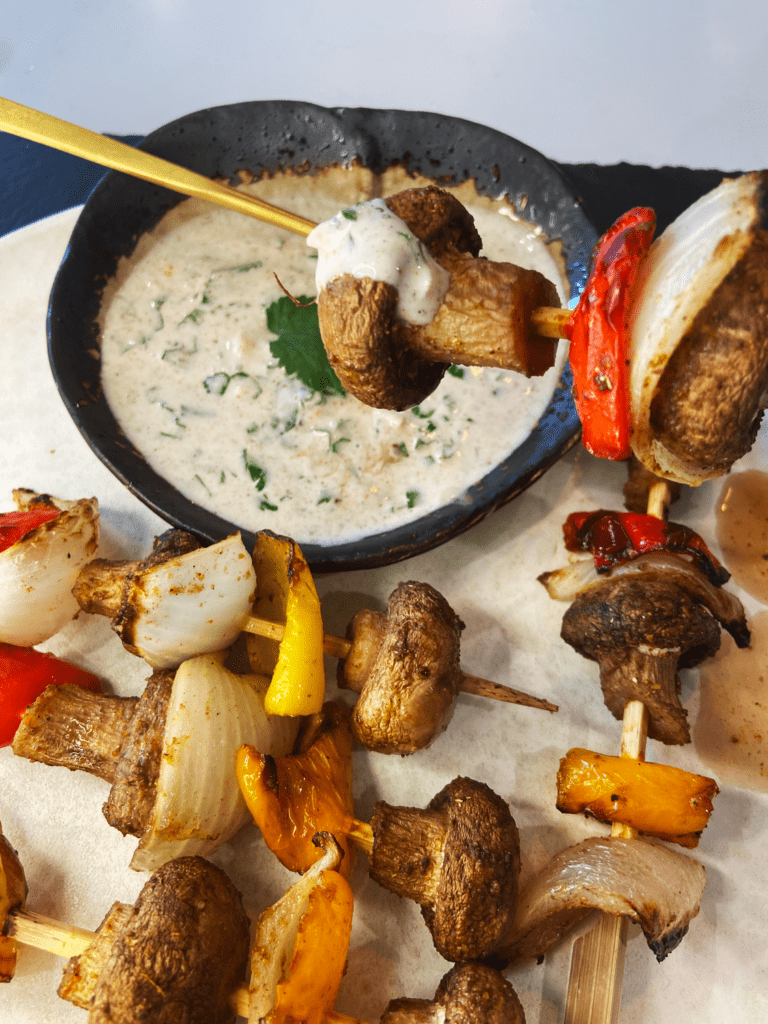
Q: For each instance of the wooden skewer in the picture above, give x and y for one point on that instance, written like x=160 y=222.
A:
x=339 y=647
x=69 y=138
x=597 y=960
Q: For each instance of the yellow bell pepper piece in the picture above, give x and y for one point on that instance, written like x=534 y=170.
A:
x=285 y=593
x=293 y=797
x=656 y=799
x=309 y=991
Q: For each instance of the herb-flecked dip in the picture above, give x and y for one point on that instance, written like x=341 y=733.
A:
x=223 y=386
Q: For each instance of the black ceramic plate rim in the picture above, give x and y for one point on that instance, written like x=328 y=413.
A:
x=284 y=132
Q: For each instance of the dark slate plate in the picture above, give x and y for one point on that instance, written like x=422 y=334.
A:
x=263 y=137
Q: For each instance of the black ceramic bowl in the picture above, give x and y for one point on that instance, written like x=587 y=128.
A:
x=263 y=137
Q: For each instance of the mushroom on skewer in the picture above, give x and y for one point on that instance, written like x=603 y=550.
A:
x=168 y=755
x=651 y=602
x=468 y=994
x=177 y=956
x=390 y=352
x=668 y=344
x=458 y=858
x=405 y=664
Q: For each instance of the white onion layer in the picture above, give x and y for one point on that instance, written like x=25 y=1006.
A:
x=685 y=265
x=38 y=572
x=211 y=713
x=655 y=886
x=191 y=605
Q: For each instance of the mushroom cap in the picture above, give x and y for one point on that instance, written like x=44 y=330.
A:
x=708 y=405
x=640 y=630
x=473 y=992
x=367 y=345
x=656 y=616
x=182 y=953
x=468 y=994
x=414 y=677
x=438 y=218
x=478 y=887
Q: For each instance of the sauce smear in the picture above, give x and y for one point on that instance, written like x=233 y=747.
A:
x=742 y=530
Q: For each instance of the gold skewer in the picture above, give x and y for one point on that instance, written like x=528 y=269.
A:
x=69 y=138
x=28 y=123
x=339 y=647
x=597 y=960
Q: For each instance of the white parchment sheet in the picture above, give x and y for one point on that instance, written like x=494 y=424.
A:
x=77 y=866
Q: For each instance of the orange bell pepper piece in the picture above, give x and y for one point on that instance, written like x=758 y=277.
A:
x=285 y=593
x=293 y=797
x=300 y=949
x=656 y=799
x=319 y=956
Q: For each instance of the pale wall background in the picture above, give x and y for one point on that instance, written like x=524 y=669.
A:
x=657 y=82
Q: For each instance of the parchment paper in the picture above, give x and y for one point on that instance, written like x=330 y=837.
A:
x=77 y=866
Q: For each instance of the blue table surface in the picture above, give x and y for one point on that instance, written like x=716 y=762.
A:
x=36 y=181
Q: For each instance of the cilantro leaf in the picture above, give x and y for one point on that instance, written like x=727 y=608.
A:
x=299 y=347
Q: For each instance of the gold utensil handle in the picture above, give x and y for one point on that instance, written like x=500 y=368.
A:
x=51 y=131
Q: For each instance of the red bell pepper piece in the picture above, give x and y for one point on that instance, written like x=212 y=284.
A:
x=24 y=674
x=15 y=525
x=615 y=537
x=597 y=329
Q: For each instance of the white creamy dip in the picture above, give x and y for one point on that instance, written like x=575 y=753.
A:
x=188 y=372
x=368 y=240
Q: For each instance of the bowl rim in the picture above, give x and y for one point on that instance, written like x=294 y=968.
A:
x=425 y=140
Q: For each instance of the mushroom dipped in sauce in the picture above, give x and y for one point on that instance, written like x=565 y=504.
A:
x=403 y=294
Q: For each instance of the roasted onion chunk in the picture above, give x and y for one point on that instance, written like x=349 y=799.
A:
x=655 y=886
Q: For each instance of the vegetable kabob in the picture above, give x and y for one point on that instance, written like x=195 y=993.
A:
x=167 y=787
x=657 y=599
x=669 y=353
x=130 y=967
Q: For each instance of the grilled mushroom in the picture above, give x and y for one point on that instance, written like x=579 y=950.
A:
x=405 y=665
x=699 y=334
x=483 y=319
x=176 y=957
x=468 y=994
x=459 y=859
x=640 y=631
